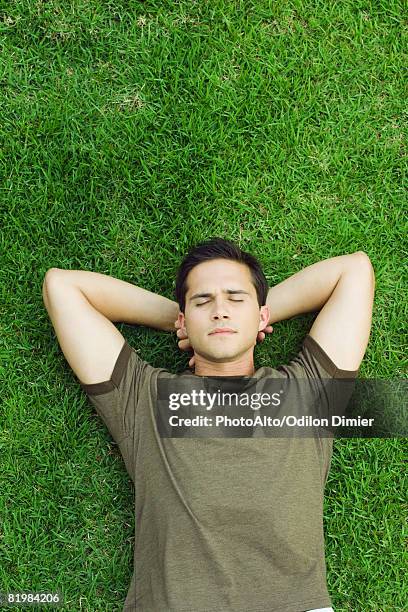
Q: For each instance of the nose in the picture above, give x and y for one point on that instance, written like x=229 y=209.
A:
x=218 y=317
x=220 y=311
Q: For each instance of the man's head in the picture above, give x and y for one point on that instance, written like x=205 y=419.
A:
x=220 y=286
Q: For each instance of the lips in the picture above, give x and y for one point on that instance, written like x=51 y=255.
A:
x=223 y=330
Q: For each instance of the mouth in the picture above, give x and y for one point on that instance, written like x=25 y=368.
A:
x=221 y=333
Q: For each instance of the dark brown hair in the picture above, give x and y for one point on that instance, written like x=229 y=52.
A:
x=219 y=248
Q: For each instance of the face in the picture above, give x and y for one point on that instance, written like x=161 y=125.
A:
x=221 y=295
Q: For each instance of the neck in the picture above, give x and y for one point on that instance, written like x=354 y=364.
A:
x=242 y=366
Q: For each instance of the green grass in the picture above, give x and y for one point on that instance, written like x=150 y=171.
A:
x=131 y=130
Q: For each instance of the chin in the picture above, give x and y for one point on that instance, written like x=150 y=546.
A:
x=222 y=356
x=218 y=356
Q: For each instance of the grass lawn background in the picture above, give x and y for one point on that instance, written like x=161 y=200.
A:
x=131 y=130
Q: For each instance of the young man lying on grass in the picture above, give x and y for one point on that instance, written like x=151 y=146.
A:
x=221 y=523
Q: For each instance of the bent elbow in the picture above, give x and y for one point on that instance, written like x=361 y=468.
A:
x=365 y=262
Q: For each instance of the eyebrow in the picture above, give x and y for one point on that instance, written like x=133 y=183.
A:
x=229 y=291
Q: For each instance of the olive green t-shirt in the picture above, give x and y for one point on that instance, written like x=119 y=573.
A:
x=221 y=524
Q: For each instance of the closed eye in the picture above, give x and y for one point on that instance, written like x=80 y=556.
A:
x=202 y=303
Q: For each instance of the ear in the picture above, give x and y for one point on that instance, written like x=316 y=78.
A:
x=181 y=320
x=263 y=317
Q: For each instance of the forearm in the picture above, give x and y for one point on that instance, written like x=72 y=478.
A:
x=120 y=301
x=306 y=291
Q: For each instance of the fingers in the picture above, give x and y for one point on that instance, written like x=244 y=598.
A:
x=262 y=334
x=183 y=345
x=183 y=342
x=181 y=334
x=266 y=330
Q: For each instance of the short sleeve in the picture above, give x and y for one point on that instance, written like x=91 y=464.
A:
x=312 y=362
x=116 y=399
x=330 y=386
x=318 y=363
